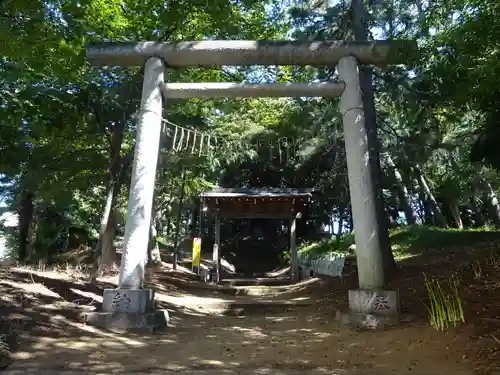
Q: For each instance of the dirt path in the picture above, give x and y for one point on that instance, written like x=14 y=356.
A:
x=301 y=336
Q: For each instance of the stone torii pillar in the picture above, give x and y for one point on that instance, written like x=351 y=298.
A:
x=370 y=270
x=370 y=306
x=140 y=201
x=130 y=305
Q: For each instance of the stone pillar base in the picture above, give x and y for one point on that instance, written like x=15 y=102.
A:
x=212 y=275
x=128 y=310
x=370 y=309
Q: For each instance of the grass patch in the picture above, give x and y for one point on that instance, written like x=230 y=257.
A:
x=422 y=239
x=327 y=246
x=410 y=240
x=445 y=305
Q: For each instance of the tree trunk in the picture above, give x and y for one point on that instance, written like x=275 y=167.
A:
x=103 y=260
x=108 y=249
x=360 y=28
x=427 y=216
x=187 y=221
x=391 y=220
x=438 y=215
x=195 y=217
x=33 y=229
x=338 y=235
x=422 y=19
x=455 y=213
x=167 y=229
x=105 y=251
x=208 y=241
x=404 y=198
x=178 y=220
x=154 y=256
x=349 y=219
x=341 y=221
x=25 y=213
x=493 y=205
x=479 y=220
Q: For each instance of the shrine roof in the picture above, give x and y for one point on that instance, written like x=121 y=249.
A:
x=257 y=193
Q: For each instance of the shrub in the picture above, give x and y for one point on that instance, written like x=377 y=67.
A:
x=445 y=306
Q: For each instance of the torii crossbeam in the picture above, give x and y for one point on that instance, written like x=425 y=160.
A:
x=130 y=304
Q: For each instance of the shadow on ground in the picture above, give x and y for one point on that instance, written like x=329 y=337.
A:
x=220 y=330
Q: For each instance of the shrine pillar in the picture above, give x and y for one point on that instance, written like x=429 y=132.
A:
x=370 y=306
x=130 y=305
x=216 y=251
x=294 y=258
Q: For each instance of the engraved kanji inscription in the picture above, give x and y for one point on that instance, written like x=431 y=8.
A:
x=121 y=301
x=380 y=303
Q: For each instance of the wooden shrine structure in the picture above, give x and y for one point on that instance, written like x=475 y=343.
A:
x=240 y=203
x=129 y=306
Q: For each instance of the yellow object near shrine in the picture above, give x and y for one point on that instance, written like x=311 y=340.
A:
x=196 y=252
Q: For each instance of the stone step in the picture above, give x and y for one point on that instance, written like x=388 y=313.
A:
x=258 y=281
x=281 y=286
x=265 y=306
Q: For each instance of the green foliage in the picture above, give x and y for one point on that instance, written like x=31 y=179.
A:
x=423 y=239
x=413 y=240
x=11 y=243
x=327 y=246
x=445 y=306
x=60 y=118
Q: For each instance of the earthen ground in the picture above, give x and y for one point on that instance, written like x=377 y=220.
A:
x=216 y=330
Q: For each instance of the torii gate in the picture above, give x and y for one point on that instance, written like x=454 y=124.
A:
x=131 y=306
